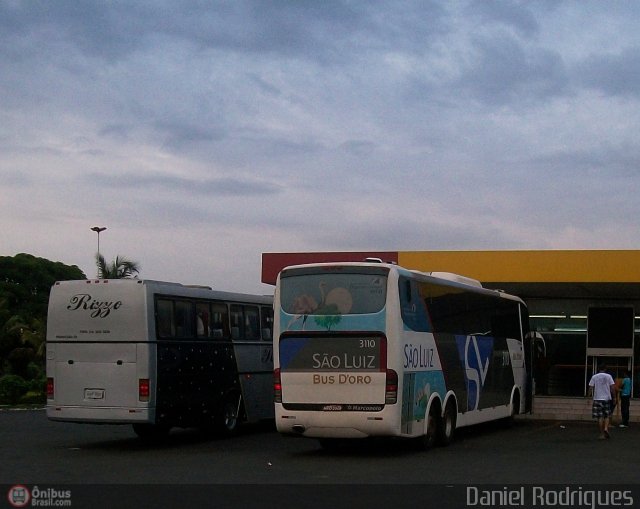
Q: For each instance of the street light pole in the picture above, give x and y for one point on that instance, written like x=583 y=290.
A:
x=98 y=229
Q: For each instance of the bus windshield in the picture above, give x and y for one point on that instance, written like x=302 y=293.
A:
x=337 y=292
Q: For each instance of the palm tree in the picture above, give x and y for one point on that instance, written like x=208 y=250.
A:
x=120 y=268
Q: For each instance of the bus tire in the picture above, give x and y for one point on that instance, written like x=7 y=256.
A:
x=430 y=438
x=151 y=432
x=228 y=418
x=510 y=421
x=448 y=425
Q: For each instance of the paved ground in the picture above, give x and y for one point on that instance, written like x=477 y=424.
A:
x=106 y=461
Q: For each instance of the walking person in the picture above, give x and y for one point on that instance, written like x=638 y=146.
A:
x=603 y=389
x=625 y=398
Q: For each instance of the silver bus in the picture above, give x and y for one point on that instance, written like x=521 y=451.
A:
x=158 y=355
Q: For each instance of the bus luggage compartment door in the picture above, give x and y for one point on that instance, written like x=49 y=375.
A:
x=407 y=402
x=96 y=374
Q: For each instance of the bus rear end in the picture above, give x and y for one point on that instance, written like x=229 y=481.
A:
x=331 y=376
x=98 y=355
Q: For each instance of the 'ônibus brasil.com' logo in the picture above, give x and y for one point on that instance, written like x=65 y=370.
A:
x=19 y=496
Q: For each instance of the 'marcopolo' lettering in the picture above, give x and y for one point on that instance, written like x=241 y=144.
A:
x=99 y=309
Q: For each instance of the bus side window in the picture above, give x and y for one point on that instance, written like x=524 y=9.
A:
x=506 y=320
x=413 y=302
x=219 y=321
x=184 y=319
x=266 y=323
x=165 y=326
x=252 y=322
x=408 y=292
x=203 y=320
x=237 y=322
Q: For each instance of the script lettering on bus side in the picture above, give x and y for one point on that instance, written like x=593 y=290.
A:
x=345 y=361
x=99 y=309
x=418 y=356
x=341 y=379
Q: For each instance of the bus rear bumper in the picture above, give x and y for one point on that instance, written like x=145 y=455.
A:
x=334 y=425
x=100 y=415
x=320 y=432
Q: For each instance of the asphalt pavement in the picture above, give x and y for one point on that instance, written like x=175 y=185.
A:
x=102 y=462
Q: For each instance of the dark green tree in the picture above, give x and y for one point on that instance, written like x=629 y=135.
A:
x=120 y=268
x=25 y=284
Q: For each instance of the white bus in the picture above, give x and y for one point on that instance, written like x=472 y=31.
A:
x=373 y=349
x=158 y=355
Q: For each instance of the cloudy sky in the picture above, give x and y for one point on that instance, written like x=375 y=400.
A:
x=203 y=134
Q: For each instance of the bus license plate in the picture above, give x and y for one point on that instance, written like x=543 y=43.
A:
x=94 y=394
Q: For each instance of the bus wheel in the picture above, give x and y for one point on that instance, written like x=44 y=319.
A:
x=515 y=407
x=448 y=425
x=229 y=417
x=151 y=432
x=429 y=439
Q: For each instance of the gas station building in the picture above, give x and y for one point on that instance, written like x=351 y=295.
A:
x=584 y=305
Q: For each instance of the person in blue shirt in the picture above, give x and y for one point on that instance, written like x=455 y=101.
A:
x=625 y=399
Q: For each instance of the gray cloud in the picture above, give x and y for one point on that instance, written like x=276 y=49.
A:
x=515 y=15
x=505 y=72
x=276 y=125
x=12 y=178
x=212 y=187
x=322 y=31
x=615 y=75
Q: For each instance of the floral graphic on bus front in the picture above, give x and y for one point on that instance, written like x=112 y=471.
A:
x=331 y=299
x=98 y=309
x=304 y=305
x=328 y=312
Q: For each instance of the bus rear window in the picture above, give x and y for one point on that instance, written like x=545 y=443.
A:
x=333 y=293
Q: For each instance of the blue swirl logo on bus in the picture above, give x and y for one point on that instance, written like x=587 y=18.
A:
x=475 y=354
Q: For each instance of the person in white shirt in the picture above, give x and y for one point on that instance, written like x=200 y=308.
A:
x=603 y=388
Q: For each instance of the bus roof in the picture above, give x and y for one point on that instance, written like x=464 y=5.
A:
x=168 y=287
x=447 y=278
x=450 y=276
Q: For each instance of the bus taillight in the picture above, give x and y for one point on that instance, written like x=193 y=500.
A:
x=391 y=391
x=50 y=388
x=143 y=389
x=277 y=386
